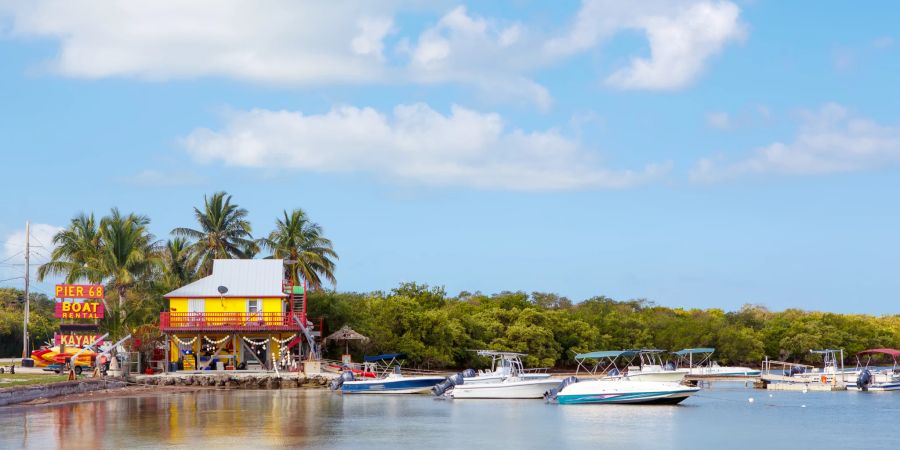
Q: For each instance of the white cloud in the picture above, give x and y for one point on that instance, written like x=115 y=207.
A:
x=474 y=50
x=682 y=35
x=414 y=143
x=829 y=140
x=314 y=43
x=284 y=42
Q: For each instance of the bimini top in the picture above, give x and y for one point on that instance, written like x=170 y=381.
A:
x=694 y=351
x=384 y=357
x=885 y=351
x=606 y=354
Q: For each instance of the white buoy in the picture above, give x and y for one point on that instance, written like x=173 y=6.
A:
x=750 y=399
x=803 y=406
x=770 y=395
x=805 y=390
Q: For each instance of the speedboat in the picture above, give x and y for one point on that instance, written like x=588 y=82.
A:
x=515 y=383
x=649 y=366
x=871 y=379
x=503 y=364
x=390 y=380
x=619 y=391
x=703 y=366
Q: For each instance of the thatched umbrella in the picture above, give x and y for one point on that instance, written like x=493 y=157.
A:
x=346 y=334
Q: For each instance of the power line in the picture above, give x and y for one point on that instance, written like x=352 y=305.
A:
x=13 y=256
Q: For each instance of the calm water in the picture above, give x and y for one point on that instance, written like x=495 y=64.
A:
x=721 y=416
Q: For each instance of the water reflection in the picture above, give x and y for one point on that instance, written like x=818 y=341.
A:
x=266 y=419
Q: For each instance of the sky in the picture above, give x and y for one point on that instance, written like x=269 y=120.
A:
x=696 y=153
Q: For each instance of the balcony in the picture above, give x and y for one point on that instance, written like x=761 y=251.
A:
x=227 y=321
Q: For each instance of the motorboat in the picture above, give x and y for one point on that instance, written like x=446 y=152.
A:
x=638 y=365
x=832 y=376
x=873 y=379
x=516 y=383
x=390 y=379
x=698 y=362
x=573 y=391
x=503 y=365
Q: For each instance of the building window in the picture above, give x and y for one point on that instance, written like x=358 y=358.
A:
x=254 y=309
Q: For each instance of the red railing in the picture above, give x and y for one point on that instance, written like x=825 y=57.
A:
x=227 y=321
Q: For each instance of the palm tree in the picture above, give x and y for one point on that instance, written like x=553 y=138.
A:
x=224 y=232
x=300 y=241
x=76 y=251
x=127 y=253
x=175 y=267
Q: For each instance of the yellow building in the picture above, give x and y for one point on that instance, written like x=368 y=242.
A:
x=239 y=316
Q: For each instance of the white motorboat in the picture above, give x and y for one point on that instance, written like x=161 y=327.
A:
x=512 y=387
x=507 y=379
x=698 y=362
x=389 y=381
x=502 y=366
x=619 y=391
x=649 y=366
x=872 y=379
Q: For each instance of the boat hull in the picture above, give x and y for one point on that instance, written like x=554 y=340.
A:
x=506 y=390
x=624 y=392
x=404 y=385
x=725 y=372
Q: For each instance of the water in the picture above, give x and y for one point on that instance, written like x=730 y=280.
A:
x=720 y=417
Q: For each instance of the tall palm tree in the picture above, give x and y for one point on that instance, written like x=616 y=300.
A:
x=127 y=253
x=224 y=232
x=300 y=241
x=76 y=251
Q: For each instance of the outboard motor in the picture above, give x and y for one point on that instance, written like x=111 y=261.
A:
x=339 y=381
x=442 y=387
x=468 y=373
x=864 y=380
x=552 y=393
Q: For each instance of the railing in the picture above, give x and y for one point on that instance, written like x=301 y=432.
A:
x=228 y=321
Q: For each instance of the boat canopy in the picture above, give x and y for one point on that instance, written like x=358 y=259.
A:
x=606 y=354
x=885 y=351
x=694 y=351
x=384 y=357
x=498 y=353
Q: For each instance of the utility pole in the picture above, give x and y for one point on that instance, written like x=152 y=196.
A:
x=27 y=297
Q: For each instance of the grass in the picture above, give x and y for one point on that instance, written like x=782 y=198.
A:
x=26 y=379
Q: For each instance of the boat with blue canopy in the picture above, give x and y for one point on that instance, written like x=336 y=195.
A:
x=634 y=365
x=389 y=379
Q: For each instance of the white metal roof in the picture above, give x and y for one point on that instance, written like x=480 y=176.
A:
x=242 y=277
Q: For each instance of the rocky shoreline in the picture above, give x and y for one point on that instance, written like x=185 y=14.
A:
x=236 y=381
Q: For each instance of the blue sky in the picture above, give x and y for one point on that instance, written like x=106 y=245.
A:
x=694 y=153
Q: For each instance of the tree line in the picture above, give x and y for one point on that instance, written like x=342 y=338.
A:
x=436 y=330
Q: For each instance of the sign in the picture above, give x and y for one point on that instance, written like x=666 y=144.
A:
x=79 y=291
x=77 y=340
x=189 y=362
x=77 y=310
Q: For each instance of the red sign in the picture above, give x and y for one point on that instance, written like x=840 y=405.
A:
x=76 y=310
x=78 y=340
x=79 y=291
